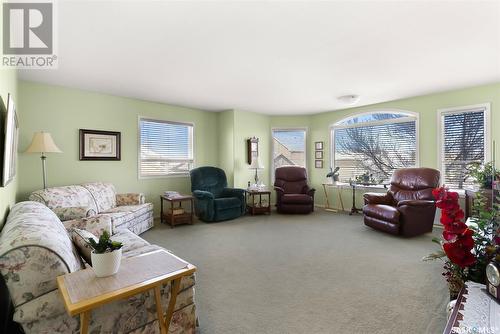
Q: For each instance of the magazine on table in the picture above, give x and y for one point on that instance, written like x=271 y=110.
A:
x=172 y=194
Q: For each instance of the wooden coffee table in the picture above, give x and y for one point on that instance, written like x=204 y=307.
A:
x=82 y=291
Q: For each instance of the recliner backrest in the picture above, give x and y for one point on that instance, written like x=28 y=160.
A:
x=292 y=179
x=413 y=184
x=211 y=179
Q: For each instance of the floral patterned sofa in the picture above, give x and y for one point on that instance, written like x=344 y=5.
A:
x=75 y=203
x=35 y=248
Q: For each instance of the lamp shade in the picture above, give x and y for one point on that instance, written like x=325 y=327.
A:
x=43 y=143
x=256 y=164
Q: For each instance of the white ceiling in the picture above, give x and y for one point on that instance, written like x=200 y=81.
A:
x=274 y=57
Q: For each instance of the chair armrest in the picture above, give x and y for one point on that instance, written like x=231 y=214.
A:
x=95 y=225
x=200 y=194
x=233 y=192
x=74 y=212
x=279 y=189
x=377 y=198
x=308 y=191
x=130 y=199
x=416 y=203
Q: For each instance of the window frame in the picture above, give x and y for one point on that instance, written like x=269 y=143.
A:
x=306 y=158
x=409 y=115
x=158 y=120
x=486 y=108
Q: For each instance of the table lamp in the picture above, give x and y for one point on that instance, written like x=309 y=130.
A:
x=256 y=165
x=43 y=143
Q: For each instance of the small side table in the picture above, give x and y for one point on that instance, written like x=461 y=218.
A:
x=257 y=206
x=176 y=203
x=83 y=292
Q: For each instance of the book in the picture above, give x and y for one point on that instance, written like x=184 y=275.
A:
x=172 y=194
x=176 y=211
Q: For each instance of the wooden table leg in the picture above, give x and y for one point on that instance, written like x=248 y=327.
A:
x=84 y=322
x=159 y=310
x=328 y=207
x=176 y=284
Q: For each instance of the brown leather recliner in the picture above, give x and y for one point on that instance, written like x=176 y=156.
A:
x=293 y=195
x=408 y=207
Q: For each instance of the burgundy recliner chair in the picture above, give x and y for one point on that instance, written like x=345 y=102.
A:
x=408 y=208
x=293 y=195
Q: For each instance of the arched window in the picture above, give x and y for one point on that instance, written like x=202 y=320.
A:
x=375 y=143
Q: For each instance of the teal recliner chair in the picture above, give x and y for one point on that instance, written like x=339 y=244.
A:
x=213 y=200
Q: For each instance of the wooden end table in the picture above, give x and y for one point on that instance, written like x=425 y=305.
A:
x=83 y=292
x=176 y=203
x=256 y=207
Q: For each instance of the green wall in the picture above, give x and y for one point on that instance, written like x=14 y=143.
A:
x=247 y=125
x=63 y=111
x=220 y=138
x=8 y=84
x=226 y=144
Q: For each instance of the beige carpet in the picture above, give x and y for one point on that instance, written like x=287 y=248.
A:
x=320 y=273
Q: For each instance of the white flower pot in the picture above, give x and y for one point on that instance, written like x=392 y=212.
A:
x=106 y=264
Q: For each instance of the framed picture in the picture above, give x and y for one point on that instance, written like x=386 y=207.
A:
x=252 y=149
x=318 y=155
x=10 y=142
x=318 y=145
x=100 y=145
x=318 y=163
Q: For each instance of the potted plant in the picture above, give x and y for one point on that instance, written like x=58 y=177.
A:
x=106 y=255
x=483 y=174
x=334 y=174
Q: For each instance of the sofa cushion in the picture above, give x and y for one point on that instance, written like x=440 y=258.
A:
x=34 y=249
x=129 y=240
x=296 y=199
x=383 y=212
x=74 y=212
x=122 y=215
x=64 y=197
x=225 y=203
x=80 y=239
x=103 y=193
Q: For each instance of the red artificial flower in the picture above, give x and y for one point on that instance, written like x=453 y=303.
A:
x=459 y=240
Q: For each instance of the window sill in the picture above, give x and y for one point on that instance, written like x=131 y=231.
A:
x=168 y=176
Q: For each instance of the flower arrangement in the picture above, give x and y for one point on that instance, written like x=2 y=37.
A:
x=466 y=250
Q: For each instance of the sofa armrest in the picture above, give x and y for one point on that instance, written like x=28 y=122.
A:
x=419 y=203
x=74 y=212
x=130 y=199
x=200 y=194
x=95 y=225
x=377 y=198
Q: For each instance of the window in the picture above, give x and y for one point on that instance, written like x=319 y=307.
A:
x=463 y=140
x=289 y=147
x=166 y=148
x=376 y=143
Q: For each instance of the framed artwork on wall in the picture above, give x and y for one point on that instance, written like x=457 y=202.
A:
x=10 y=141
x=318 y=163
x=252 y=149
x=100 y=145
x=318 y=145
x=318 y=155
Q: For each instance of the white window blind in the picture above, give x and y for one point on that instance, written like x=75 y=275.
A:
x=166 y=148
x=289 y=147
x=463 y=141
x=376 y=144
